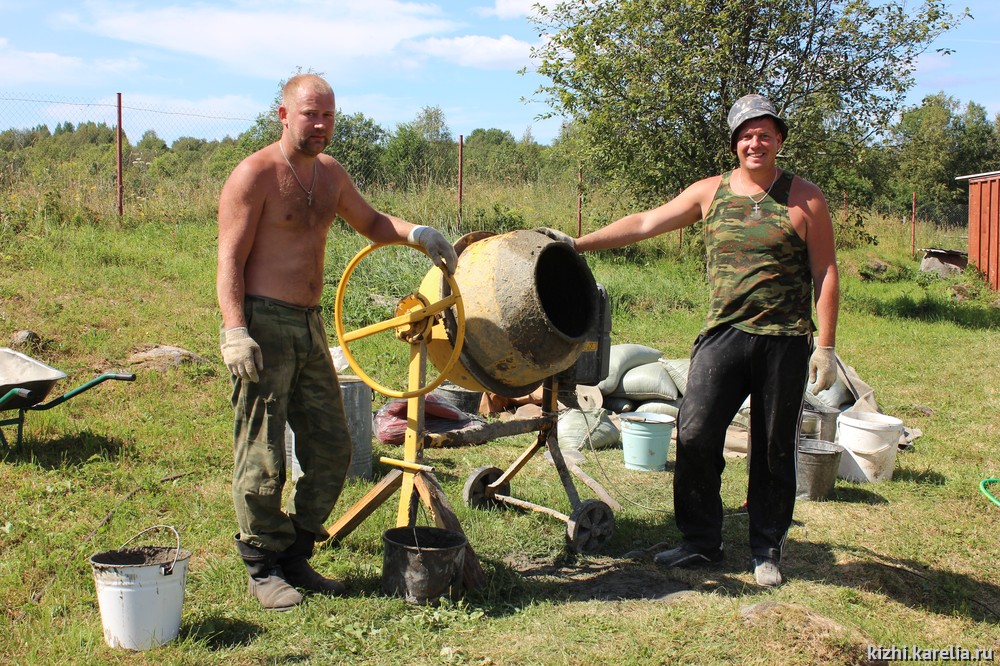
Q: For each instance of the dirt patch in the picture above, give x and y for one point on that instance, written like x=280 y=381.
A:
x=828 y=641
x=163 y=357
x=603 y=579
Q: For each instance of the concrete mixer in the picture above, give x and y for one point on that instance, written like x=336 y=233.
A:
x=519 y=312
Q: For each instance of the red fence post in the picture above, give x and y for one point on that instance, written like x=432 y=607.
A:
x=913 y=227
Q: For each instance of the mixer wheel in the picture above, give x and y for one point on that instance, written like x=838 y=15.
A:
x=475 y=494
x=590 y=526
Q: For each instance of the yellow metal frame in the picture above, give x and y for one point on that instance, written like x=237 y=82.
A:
x=411 y=477
x=413 y=318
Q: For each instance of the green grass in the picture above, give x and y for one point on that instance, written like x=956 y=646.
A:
x=908 y=562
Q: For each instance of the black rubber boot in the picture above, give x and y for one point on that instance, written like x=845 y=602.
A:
x=267 y=580
x=294 y=561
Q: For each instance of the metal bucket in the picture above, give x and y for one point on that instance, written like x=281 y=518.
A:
x=461 y=398
x=423 y=564
x=140 y=592
x=530 y=305
x=357 y=397
x=827 y=418
x=816 y=468
x=646 y=440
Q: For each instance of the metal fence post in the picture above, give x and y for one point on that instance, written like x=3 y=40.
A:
x=118 y=142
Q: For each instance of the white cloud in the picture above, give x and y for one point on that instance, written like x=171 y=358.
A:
x=19 y=67
x=479 y=52
x=511 y=9
x=268 y=42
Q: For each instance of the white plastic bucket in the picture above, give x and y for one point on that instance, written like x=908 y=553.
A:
x=870 y=441
x=140 y=591
x=646 y=440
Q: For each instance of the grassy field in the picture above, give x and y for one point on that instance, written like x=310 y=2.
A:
x=909 y=562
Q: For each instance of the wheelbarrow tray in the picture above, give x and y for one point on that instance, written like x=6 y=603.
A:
x=18 y=371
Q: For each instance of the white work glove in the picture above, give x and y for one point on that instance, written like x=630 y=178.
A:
x=438 y=248
x=557 y=235
x=241 y=354
x=822 y=369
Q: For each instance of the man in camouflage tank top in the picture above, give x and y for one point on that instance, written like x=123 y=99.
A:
x=770 y=255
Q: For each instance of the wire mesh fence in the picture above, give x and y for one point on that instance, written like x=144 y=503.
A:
x=176 y=151
x=23 y=112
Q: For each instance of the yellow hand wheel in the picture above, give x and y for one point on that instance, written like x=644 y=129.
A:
x=415 y=317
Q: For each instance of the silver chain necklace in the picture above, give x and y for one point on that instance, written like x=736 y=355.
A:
x=312 y=185
x=756 y=202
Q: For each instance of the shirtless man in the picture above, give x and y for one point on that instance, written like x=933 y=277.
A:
x=770 y=253
x=275 y=211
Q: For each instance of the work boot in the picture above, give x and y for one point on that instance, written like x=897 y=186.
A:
x=267 y=581
x=294 y=561
x=766 y=571
x=683 y=556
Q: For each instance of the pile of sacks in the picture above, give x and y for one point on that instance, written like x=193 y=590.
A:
x=639 y=380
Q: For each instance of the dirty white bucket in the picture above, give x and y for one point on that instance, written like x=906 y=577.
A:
x=140 y=591
x=870 y=441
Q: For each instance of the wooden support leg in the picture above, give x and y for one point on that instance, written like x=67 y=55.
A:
x=382 y=491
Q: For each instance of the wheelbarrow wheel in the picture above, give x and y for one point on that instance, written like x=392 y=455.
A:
x=590 y=526
x=476 y=494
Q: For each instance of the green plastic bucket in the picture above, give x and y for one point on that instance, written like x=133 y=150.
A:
x=646 y=440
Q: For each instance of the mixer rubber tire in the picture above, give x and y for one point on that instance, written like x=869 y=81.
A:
x=590 y=526
x=474 y=492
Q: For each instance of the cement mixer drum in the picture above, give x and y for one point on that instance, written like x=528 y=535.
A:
x=530 y=305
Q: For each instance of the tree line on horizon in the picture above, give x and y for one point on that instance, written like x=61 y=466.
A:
x=646 y=85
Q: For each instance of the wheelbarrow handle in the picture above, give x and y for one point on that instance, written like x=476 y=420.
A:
x=15 y=393
x=80 y=389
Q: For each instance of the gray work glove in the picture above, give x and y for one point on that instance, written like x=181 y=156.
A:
x=557 y=235
x=438 y=248
x=241 y=354
x=822 y=369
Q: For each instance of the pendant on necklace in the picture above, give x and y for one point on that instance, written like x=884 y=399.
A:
x=309 y=200
x=756 y=212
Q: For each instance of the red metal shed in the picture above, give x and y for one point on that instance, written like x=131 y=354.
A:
x=984 y=224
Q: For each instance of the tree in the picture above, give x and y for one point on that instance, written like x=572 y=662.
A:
x=405 y=160
x=358 y=143
x=926 y=140
x=430 y=124
x=649 y=82
x=978 y=142
x=442 y=157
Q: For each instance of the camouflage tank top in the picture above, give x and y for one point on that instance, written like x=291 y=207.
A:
x=758 y=267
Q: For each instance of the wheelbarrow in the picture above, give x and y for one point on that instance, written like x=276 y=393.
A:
x=26 y=382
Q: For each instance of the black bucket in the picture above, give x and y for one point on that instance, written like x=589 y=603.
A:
x=423 y=564
x=818 y=462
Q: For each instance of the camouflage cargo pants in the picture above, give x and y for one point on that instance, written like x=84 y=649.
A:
x=298 y=384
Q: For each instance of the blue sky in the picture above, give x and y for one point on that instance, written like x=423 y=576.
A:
x=386 y=59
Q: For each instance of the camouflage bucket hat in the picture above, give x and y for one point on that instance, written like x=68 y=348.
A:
x=749 y=107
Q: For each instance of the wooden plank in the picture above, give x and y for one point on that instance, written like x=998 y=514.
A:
x=486 y=432
x=992 y=224
x=382 y=491
x=975 y=219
